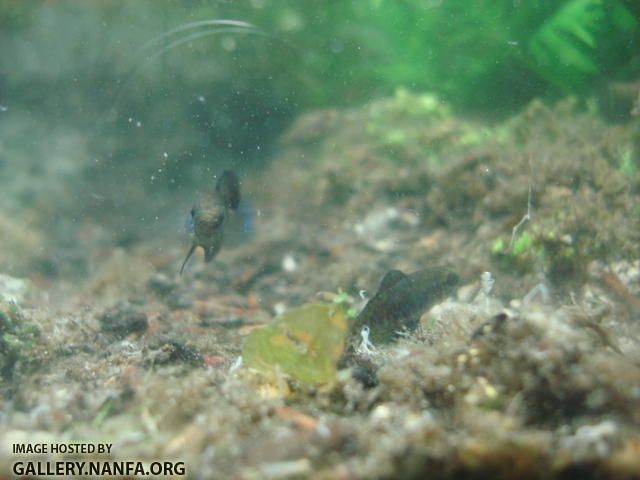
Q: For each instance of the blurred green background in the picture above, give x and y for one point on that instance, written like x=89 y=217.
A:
x=105 y=111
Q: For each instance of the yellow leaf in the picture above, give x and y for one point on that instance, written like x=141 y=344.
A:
x=304 y=343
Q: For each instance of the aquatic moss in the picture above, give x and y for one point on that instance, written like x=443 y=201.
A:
x=18 y=338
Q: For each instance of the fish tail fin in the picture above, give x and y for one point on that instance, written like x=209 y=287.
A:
x=193 y=247
x=228 y=187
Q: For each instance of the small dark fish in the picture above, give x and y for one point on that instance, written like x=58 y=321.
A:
x=207 y=217
x=400 y=301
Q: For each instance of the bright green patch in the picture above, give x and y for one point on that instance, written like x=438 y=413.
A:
x=523 y=244
x=394 y=137
x=498 y=246
x=341 y=300
x=103 y=412
x=304 y=343
x=475 y=136
x=627 y=165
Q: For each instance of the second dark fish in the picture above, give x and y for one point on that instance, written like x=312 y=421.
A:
x=207 y=217
x=400 y=301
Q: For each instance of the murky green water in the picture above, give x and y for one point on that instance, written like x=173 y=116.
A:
x=322 y=160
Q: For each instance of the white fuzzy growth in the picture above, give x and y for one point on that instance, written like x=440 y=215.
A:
x=289 y=263
x=539 y=290
x=236 y=365
x=487 y=281
x=365 y=347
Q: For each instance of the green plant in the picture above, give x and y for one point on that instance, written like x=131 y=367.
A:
x=580 y=40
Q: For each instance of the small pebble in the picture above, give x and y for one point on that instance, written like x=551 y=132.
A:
x=123 y=319
x=161 y=284
x=179 y=301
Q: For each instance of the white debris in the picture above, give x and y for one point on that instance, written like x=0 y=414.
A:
x=12 y=290
x=365 y=347
x=381 y=414
x=591 y=441
x=289 y=263
x=377 y=224
x=279 y=308
x=487 y=282
x=539 y=290
x=294 y=468
x=236 y=364
x=411 y=218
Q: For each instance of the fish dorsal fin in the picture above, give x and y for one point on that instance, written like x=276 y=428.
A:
x=228 y=187
x=188 y=224
x=392 y=278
